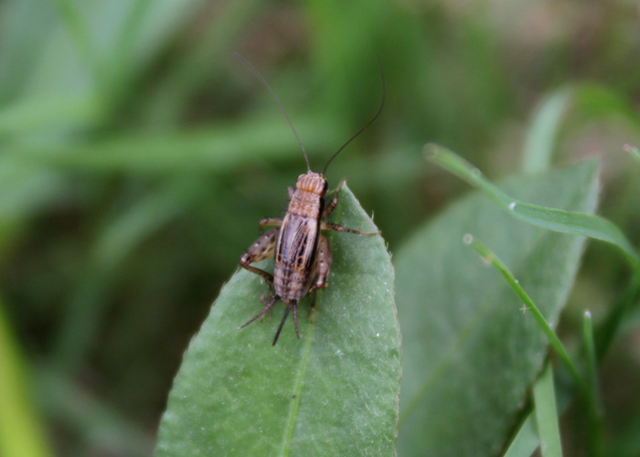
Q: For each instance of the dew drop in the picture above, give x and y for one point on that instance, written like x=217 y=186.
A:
x=467 y=238
x=512 y=206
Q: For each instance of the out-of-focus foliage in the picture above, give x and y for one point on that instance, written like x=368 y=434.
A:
x=137 y=155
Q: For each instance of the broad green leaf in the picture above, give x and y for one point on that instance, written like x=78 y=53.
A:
x=333 y=392
x=572 y=222
x=547 y=415
x=469 y=354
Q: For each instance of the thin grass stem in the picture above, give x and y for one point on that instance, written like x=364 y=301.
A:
x=596 y=442
x=490 y=258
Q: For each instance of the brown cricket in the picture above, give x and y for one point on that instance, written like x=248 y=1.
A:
x=302 y=253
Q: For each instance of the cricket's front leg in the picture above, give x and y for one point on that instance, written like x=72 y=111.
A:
x=262 y=249
x=340 y=228
x=329 y=209
x=334 y=201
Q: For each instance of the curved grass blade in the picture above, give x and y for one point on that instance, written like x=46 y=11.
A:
x=333 y=392
x=491 y=259
x=553 y=219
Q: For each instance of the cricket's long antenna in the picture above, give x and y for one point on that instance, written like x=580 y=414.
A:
x=384 y=93
x=264 y=81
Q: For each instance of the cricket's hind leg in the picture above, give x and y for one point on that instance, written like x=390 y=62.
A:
x=322 y=269
x=262 y=249
x=267 y=307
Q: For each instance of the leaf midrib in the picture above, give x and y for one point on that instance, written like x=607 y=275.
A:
x=295 y=404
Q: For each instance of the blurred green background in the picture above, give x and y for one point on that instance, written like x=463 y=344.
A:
x=138 y=155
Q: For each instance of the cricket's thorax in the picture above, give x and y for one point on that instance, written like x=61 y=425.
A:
x=298 y=238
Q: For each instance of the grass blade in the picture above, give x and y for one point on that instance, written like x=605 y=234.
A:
x=541 y=138
x=596 y=440
x=491 y=259
x=526 y=440
x=546 y=414
x=216 y=149
x=58 y=111
x=553 y=219
x=79 y=32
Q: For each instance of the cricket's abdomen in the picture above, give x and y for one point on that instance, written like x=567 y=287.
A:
x=296 y=246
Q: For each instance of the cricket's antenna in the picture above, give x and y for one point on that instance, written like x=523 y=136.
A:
x=384 y=93
x=264 y=81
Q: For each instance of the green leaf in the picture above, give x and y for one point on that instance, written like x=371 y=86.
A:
x=469 y=354
x=333 y=392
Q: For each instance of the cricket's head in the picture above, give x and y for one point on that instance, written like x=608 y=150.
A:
x=313 y=182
